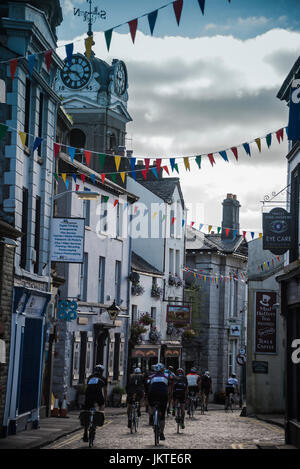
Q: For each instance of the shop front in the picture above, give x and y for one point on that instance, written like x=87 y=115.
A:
x=171 y=354
x=290 y=308
x=144 y=356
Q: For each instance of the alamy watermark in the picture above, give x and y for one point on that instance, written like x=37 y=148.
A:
x=296 y=353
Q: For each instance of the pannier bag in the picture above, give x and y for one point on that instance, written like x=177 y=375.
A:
x=85 y=418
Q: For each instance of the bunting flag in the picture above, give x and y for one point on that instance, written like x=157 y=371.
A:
x=74 y=176
x=31 y=61
x=146 y=211
x=147 y=163
x=92 y=176
x=56 y=148
x=115 y=202
x=187 y=163
x=113 y=177
x=200 y=226
x=77 y=187
x=198 y=161
x=48 y=58
x=252 y=234
x=69 y=52
x=72 y=153
x=172 y=163
x=192 y=224
x=87 y=155
x=227 y=231
x=269 y=140
x=176 y=167
x=182 y=223
x=279 y=135
x=82 y=177
x=88 y=46
x=144 y=173
x=56 y=176
x=158 y=164
x=13 y=67
x=173 y=220
x=224 y=155
x=152 y=20
x=132 y=164
x=219 y=229
x=154 y=215
x=258 y=143
x=211 y=159
x=235 y=152
x=64 y=176
x=37 y=142
x=133 y=27
x=202 y=5
x=260 y=235
x=209 y=228
x=3 y=130
x=105 y=197
x=154 y=171
x=122 y=174
x=117 y=162
x=247 y=148
x=244 y=234
x=166 y=170
x=108 y=35
x=177 y=6
x=102 y=177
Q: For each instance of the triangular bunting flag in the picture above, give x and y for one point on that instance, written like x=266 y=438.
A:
x=252 y=234
x=113 y=177
x=69 y=52
x=88 y=46
x=115 y=202
x=31 y=60
x=108 y=35
x=77 y=187
x=48 y=58
x=158 y=164
x=260 y=235
x=72 y=153
x=64 y=176
x=92 y=176
x=227 y=231
x=144 y=173
x=176 y=167
x=173 y=220
x=56 y=148
x=219 y=229
x=3 y=130
x=200 y=226
x=147 y=163
x=87 y=155
x=177 y=5
x=172 y=163
x=56 y=176
x=166 y=169
x=103 y=178
x=224 y=155
x=234 y=234
x=183 y=222
x=258 y=143
x=37 y=142
x=198 y=161
x=133 y=27
x=279 y=135
x=13 y=67
x=117 y=162
x=74 y=176
x=192 y=224
x=202 y=5
x=154 y=170
x=122 y=174
x=187 y=163
x=235 y=152
x=269 y=140
x=211 y=159
x=154 y=215
x=106 y=197
x=209 y=228
x=82 y=177
x=247 y=148
x=152 y=20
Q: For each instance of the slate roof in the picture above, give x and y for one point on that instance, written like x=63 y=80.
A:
x=139 y=264
x=164 y=188
x=196 y=240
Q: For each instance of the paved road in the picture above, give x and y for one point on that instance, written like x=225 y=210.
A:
x=214 y=430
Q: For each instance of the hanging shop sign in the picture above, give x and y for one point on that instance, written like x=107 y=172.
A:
x=277 y=231
x=265 y=322
x=178 y=314
x=67 y=240
x=67 y=310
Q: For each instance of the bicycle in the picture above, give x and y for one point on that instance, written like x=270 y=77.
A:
x=178 y=416
x=156 y=424
x=133 y=415
x=192 y=404
x=202 y=403
x=90 y=419
x=230 y=402
x=92 y=428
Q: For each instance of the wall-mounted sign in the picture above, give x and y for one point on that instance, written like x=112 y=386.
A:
x=265 y=322
x=241 y=359
x=67 y=240
x=178 y=314
x=67 y=310
x=234 y=330
x=260 y=367
x=277 y=231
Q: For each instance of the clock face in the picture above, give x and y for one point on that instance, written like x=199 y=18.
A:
x=77 y=74
x=120 y=78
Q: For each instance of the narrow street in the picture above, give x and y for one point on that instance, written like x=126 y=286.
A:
x=214 y=430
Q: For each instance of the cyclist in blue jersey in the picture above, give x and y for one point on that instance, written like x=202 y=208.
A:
x=158 y=392
x=169 y=372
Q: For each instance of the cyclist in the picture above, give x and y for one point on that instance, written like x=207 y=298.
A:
x=206 y=387
x=158 y=392
x=231 y=385
x=95 y=394
x=180 y=389
x=169 y=372
x=134 y=387
x=194 y=382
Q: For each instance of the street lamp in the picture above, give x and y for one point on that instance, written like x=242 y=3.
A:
x=113 y=310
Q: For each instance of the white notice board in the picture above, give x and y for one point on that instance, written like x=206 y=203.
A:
x=67 y=240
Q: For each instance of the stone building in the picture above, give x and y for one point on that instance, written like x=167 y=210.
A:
x=218 y=296
x=27 y=30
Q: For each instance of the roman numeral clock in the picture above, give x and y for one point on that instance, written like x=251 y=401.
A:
x=77 y=74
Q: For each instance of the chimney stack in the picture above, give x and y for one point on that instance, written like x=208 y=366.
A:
x=231 y=217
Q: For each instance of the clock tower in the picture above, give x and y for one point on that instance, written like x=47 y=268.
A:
x=95 y=94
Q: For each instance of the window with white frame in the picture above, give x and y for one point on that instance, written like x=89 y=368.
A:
x=101 y=279
x=84 y=277
x=103 y=214
x=171 y=261
x=134 y=313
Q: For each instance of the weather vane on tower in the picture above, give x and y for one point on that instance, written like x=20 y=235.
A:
x=90 y=16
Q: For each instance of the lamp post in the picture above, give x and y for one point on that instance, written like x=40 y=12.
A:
x=113 y=311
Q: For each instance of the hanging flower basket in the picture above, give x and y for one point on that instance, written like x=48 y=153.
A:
x=188 y=334
x=156 y=291
x=137 y=289
x=136 y=331
x=146 y=320
x=172 y=280
x=154 y=335
x=178 y=282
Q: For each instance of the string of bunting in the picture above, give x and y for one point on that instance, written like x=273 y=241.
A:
x=266 y=265
x=159 y=164
x=227 y=231
x=216 y=278
x=132 y=24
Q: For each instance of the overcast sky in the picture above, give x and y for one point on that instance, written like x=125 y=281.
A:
x=203 y=87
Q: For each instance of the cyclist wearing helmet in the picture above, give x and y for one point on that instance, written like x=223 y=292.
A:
x=94 y=395
x=134 y=387
x=169 y=372
x=231 y=385
x=180 y=389
x=194 y=382
x=158 y=392
x=206 y=387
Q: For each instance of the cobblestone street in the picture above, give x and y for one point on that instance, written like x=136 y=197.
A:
x=214 y=430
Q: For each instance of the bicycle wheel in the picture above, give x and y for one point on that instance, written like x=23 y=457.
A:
x=136 y=420
x=132 y=423
x=178 y=415
x=92 y=432
x=192 y=409
x=156 y=428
